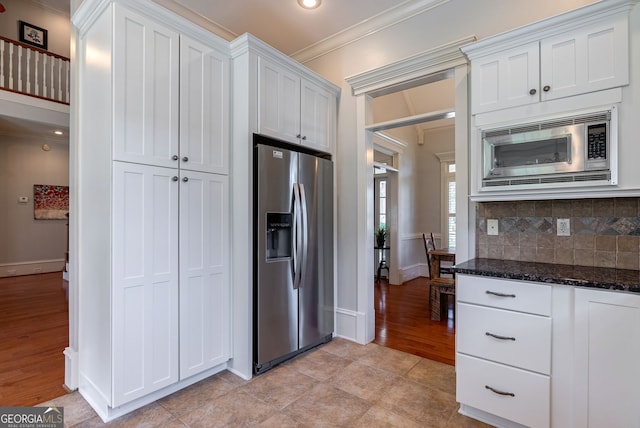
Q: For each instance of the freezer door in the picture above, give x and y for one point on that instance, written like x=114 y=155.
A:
x=316 y=285
x=275 y=299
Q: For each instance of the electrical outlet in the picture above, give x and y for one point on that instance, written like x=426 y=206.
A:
x=564 y=227
x=492 y=226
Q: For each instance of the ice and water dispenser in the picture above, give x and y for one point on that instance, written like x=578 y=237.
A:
x=279 y=229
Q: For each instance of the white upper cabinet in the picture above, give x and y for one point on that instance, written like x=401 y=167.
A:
x=589 y=59
x=295 y=109
x=204 y=107
x=145 y=94
x=567 y=55
x=318 y=117
x=279 y=101
x=172 y=97
x=505 y=79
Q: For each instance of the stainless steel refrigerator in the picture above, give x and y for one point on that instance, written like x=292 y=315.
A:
x=293 y=252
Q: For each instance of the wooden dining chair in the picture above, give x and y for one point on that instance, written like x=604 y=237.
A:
x=439 y=288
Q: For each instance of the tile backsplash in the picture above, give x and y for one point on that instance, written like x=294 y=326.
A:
x=603 y=232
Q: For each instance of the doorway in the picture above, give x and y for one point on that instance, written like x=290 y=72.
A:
x=437 y=64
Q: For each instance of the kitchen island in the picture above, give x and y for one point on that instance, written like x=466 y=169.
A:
x=547 y=345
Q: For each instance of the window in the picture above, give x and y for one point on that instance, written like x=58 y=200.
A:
x=448 y=200
x=450 y=208
x=381 y=201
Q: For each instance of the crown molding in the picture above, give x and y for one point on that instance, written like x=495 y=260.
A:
x=198 y=19
x=376 y=23
x=431 y=65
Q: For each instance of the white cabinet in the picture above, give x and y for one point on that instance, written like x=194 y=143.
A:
x=172 y=97
x=607 y=351
x=503 y=345
x=153 y=199
x=204 y=107
x=204 y=272
x=573 y=60
x=294 y=109
x=145 y=280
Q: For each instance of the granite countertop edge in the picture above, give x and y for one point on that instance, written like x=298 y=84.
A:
x=579 y=276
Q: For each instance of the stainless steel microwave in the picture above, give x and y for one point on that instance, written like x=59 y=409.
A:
x=570 y=149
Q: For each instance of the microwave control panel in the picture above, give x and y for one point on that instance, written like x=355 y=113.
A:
x=597 y=141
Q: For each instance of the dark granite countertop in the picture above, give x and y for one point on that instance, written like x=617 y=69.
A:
x=580 y=276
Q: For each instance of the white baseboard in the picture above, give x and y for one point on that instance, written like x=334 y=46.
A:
x=29 y=268
x=70 y=369
x=415 y=271
x=351 y=325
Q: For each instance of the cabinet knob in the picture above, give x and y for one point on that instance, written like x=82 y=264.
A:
x=185 y=179
x=304 y=137
x=532 y=92
x=185 y=159
x=547 y=88
x=298 y=136
x=174 y=178
x=174 y=157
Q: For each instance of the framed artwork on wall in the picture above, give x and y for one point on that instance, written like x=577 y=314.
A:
x=50 y=202
x=32 y=35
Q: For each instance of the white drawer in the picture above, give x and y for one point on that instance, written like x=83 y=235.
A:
x=513 y=338
x=506 y=294
x=529 y=404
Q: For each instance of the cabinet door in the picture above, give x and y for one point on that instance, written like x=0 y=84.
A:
x=318 y=117
x=145 y=280
x=145 y=91
x=279 y=102
x=589 y=59
x=506 y=79
x=607 y=351
x=204 y=272
x=204 y=108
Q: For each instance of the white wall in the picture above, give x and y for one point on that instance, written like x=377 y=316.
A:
x=26 y=241
x=454 y=20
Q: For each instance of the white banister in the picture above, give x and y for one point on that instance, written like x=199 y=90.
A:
x=32 y=71
x=1 y=62
x=10 y=66
x=28 y=70
x=19 y=68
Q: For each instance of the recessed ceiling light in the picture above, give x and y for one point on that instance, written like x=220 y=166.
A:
x=309 y=4
x=58 y=132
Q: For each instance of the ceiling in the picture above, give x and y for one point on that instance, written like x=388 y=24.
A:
x=266 y=19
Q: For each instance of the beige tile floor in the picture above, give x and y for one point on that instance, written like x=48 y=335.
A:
x=341 y=384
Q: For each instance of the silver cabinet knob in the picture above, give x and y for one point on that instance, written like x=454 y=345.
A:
x=185 y=179
x=174 y=178
x=546 y=88
x=174 y=157
x=185 y=159
x=532 y=92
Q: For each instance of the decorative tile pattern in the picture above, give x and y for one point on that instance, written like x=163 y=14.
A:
x=351 y=386
x=604 y=232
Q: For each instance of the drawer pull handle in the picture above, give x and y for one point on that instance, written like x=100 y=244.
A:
x=495 y=336
x=495 y=293
x=510 y=394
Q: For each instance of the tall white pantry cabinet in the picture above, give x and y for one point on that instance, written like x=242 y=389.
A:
x=153 y=195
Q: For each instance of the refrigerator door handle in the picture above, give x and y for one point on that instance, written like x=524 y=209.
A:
x=297 y=237
x=305 y=233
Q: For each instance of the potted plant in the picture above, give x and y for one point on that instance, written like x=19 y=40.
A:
x=381 y=236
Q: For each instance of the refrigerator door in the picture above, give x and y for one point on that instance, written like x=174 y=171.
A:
x=316 y=285
x=276 y=300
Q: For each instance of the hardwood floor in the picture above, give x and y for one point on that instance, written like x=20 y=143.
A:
x=34 y=330
x=403 y=321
